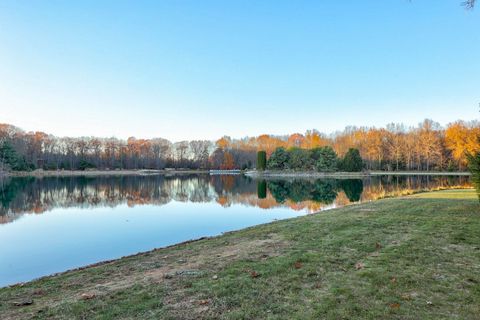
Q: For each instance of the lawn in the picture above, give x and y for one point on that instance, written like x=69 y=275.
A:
x=415 y=257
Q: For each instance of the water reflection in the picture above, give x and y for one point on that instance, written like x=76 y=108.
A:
x=70 y=222
x=29 y=195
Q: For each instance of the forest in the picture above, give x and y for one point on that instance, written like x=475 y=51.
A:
x=425 y=147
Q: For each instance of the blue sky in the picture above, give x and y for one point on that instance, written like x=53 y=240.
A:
x=203 y=69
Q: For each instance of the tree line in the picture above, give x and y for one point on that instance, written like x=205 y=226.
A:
x=427 y=146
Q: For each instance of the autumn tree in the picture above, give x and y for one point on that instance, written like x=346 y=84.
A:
x=429 y=142
x=461 y=139
x=228 y=162
x=216 y=158
x=313 y=139
x=395 y=141
x=375 y=149
x=296 y=140
x=224 y=142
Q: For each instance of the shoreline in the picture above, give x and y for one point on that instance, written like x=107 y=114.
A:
x=213 y=237
x=93 y=173
x=363 y=174
x=251 y=173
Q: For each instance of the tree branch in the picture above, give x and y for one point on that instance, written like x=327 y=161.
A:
x=469 y=4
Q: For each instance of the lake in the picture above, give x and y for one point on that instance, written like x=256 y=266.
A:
x=53 y=224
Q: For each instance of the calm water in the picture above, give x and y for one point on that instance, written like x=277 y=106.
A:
x=53 y=224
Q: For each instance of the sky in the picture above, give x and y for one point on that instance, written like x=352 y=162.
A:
x=186 y=70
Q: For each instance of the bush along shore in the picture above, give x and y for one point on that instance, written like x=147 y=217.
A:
x=415 y=257
x=322 y=162
x=340 y=174
x=321 y=159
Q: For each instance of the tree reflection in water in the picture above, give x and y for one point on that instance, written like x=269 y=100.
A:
x=30 y=195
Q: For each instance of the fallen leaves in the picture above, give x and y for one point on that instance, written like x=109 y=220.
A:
x=378 y=246
x=297 y=265
x=395 y=305
x=253 y=273
x=406 y=297
x=203 y=302
x=87 y=296
x=393 y=280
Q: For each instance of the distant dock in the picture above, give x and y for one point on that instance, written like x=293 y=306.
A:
x=217 y=172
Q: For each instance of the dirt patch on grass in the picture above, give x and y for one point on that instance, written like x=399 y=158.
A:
x=170 y=269
x=210 y=261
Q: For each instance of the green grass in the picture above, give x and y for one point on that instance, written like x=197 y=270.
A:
x=415 y=257
x=448 y=194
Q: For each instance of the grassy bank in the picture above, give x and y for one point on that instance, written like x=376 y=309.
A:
x=416 y=257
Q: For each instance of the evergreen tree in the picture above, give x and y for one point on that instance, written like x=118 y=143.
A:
x=324 y=159
x=261 y=160
x=474 y=167
x=352 y=161
x=299 y=159
x=278 y=160
x=9 y=157
x=85 y=165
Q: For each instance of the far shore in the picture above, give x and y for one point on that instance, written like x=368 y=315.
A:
x=250 y=173
x=314 y=174
x=91 y=173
